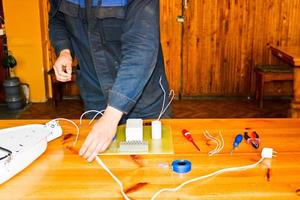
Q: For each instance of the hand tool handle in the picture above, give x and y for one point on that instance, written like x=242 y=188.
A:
x=238 y=139
x=187 y=135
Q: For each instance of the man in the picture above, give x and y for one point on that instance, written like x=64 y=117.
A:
x=117 y=44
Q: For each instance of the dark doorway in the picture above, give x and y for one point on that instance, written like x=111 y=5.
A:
x=2 y=44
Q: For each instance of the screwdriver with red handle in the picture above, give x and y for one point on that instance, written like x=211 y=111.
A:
x=189 y=137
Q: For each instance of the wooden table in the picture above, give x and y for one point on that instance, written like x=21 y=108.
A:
x=61 y=174
x=291 y=55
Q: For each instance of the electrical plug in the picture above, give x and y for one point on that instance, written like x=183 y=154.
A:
x=267 y=153
x=55 y=130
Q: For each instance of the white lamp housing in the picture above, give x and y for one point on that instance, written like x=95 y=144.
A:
x=134 y=130
x=156 y=130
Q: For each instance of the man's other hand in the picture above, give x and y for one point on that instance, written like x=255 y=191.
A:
x=63 y=66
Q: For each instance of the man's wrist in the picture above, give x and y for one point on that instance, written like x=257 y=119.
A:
x=66 y=52
x=113 y=114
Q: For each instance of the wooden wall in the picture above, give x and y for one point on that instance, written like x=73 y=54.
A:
x=171 y=39
x=224 y=39
x=214 y=51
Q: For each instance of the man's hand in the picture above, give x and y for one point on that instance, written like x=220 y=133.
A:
x=63 y=66
x=101 y=135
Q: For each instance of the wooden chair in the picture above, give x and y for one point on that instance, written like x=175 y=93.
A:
x=57 y=86
x=268 y=73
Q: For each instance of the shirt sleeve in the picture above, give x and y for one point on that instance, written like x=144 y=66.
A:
x=58 y=33
x=140 y=46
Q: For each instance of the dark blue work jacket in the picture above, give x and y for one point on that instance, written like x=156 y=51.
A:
x=117 y=44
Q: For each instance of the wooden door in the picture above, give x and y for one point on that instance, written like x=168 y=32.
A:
x=2 y=73
x=2 y=70
x=224 y=39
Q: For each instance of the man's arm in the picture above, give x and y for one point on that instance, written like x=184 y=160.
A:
x=59 y=37
x=140 y=45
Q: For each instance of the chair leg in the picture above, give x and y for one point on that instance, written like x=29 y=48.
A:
x=259 y=89
x=57 y=93
x=257 y=86
x=261 y=92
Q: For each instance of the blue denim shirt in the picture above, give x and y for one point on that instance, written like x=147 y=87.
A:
x=117 y=44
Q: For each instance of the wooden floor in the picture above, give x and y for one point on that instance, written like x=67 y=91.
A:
x=181 y=109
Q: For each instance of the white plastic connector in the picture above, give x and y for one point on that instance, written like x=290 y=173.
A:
x=55 y=130
x=156 y=130
x=267 y=153
x=134 y=130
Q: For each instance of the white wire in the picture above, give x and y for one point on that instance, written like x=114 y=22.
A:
x=222 y=139
x=231 y=169
x=165 y=109
x=100 y=162
x=209 y=136
x=220 y=143
x=164 y=100
x=215 y=141
x=86 y=112
x=98 y=113
x=80 y=122
x=68 y=120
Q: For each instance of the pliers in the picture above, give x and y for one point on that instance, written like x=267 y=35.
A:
x=253 y=139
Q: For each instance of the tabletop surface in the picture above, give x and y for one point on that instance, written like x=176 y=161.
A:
x=61 y=174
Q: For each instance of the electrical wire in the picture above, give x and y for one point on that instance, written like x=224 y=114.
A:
x=86 y=112
x=80 y=120
x=231 y=169
x=220 y=143
x=72 y=122
x=164 y=100
x=96 y=115
x=172 y=95
x=209 y=137
x=101 y=163
x=222 y=139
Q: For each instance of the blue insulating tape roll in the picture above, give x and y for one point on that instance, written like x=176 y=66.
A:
x=181 y=166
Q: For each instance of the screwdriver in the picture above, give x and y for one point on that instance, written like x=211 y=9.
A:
x=188 y=136
x=237 y=140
